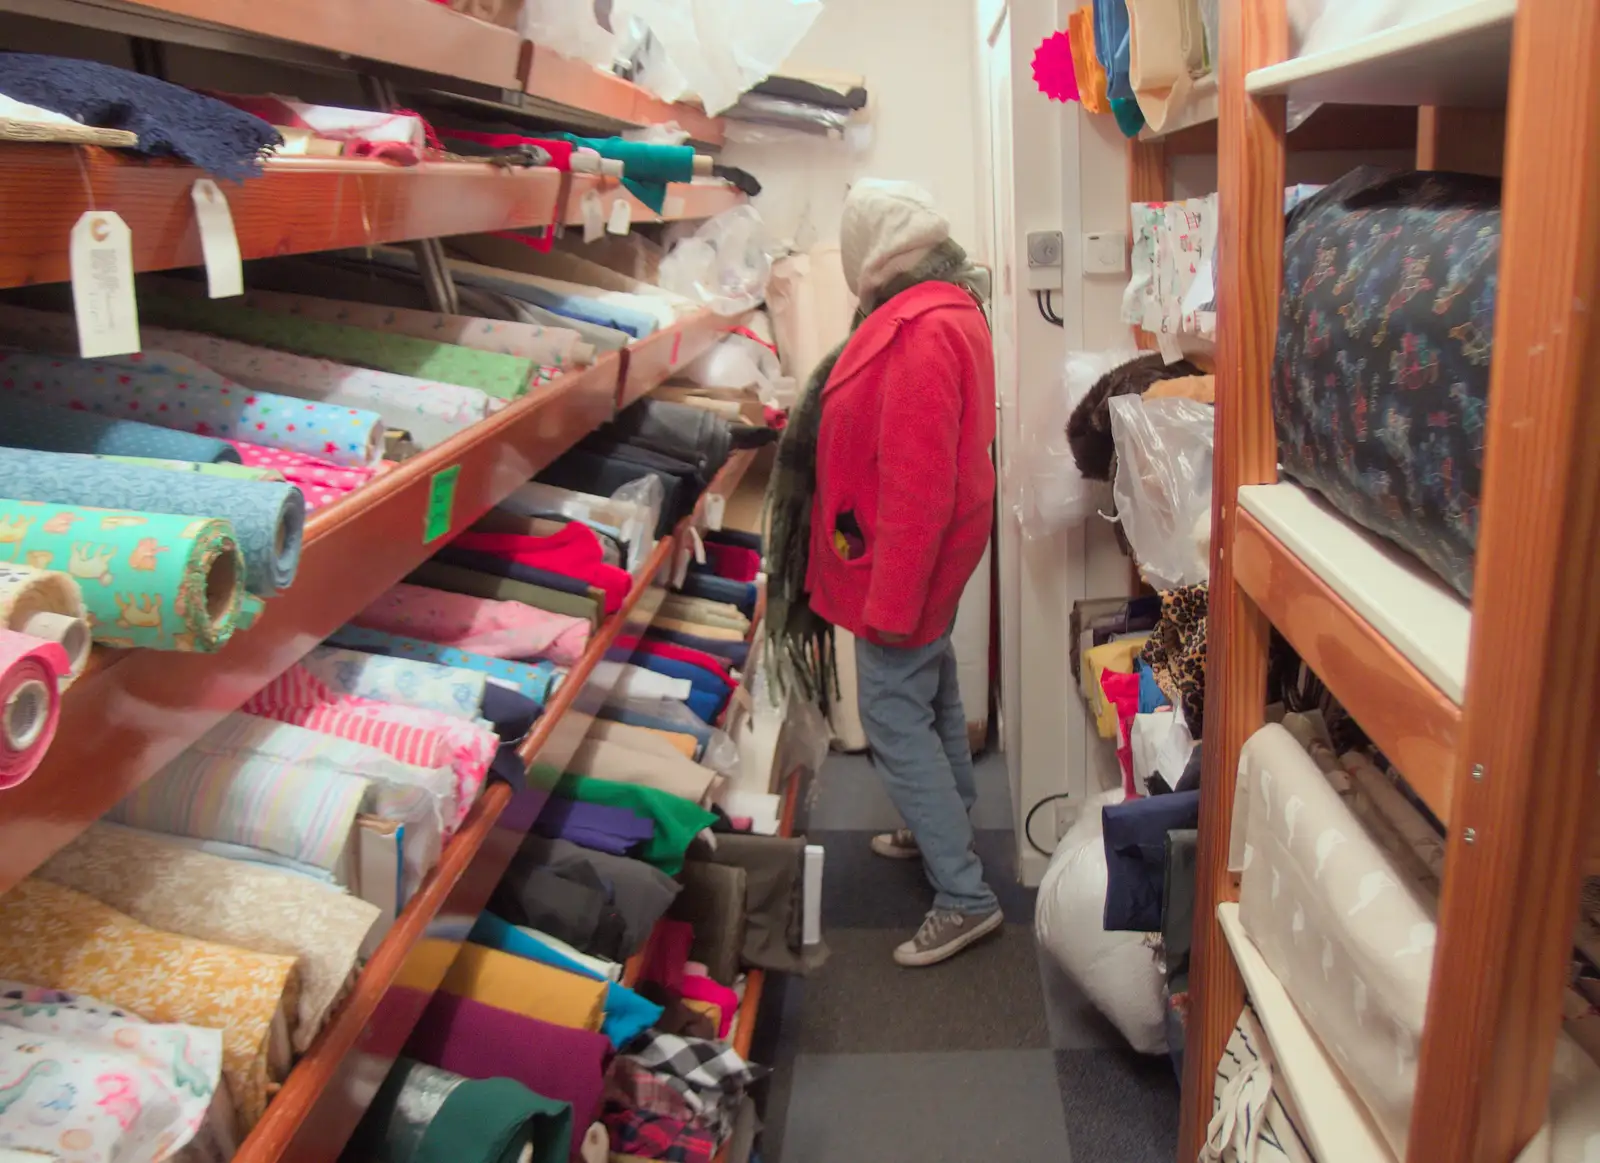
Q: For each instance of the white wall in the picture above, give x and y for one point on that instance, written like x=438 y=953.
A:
x=918 y=58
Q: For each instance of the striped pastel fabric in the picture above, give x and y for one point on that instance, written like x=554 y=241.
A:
x=537 y=680
x=420 y=737
x=306 y=814
x=404 y=682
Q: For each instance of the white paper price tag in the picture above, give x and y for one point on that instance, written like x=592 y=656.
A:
x=101 y=256
x=680 y=566
x=621 y=216
x=594 y=217
x=673 y=207
x=218 y=242
x=715 y=504
x=1170 y=351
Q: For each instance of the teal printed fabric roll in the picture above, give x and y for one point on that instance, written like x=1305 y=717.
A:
x=26 y=424
x=536 y=680
x=505 y=376
x=148 y=579
x=268 y=519
x=405 y=682
x=144 y=389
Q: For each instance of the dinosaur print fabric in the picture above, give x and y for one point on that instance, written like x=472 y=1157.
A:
x=1380 y=383
x=155 y=580
x=85 y=1081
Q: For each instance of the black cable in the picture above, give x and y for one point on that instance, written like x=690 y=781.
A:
x=1042 y=298
x=1050 y=305
x=1027 y=824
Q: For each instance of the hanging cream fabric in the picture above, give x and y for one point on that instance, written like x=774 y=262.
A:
x=1160 y=46
x=71 y=941
x=85 y=1081
x=167 y=886
x=1339 y=922
x=672 y=774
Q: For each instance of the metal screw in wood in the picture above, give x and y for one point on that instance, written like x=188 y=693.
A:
x=1470 y=835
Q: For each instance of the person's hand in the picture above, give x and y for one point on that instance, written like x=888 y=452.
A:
x=891 y=639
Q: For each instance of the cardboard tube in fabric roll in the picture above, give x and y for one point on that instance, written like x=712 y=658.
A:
x=30 y=702
x=155 y=580
x=46 y=604
x=268 y=519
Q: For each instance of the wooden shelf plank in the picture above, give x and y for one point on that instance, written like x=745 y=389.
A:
x=685 y=201
x=563 y=81
x=1409 y=719
x=299 y=205
x=1425 y=620
x=1335 y=1123
x=1461 y=57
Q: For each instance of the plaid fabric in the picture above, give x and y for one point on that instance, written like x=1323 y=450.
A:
x=629 y=1084
x=710 y=1077
x=643 y=1135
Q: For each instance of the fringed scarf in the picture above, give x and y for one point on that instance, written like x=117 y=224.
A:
x=800 y=647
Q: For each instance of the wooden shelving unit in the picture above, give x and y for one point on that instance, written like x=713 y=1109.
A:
x=1487 y=711
x=683 y=200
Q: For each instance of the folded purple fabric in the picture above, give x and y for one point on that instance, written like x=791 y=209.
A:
x=475 y=1040
x=599 y=827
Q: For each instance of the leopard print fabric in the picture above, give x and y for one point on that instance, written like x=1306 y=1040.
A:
x=1176 y=651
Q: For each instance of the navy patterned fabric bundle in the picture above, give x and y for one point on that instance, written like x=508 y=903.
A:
x=1381 y=379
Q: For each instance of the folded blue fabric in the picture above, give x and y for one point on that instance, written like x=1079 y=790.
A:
x=699 y=677
x=721 y=589
x=627 y=1015
x=1151 y=696
x=619 y=318
x=738 y=653
x=28 y=424
x=1112 y=44
x=705 y=704
x=1136 y=856
x=602 y=827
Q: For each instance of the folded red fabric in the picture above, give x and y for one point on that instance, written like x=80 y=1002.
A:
x=574 y=552
x=734 y=562
x=717 y=666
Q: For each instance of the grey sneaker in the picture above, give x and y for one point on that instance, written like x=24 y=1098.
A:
x=901 y=844
x=944 y=934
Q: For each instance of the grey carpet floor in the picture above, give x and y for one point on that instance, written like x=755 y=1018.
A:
x=994 y=1056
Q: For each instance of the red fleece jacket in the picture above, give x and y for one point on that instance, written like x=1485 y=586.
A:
x=907 y=421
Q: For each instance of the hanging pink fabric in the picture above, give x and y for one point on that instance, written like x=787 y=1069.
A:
x=697 y=987
x=478 y=625
x=573 y=551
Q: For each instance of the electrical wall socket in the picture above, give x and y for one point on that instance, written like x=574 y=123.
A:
x=1044 y=260
x=1105 y=253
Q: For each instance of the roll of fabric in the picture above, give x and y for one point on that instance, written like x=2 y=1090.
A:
x=47 y=604
x=30 y=424
x=192 y=893
x=99 y=1083
x=268 y=519
x=147 y=387
x=50 y=933
x=322 y=482
x=536 y=680
x=431 y=411
x=600 y=310
x=498 y=629
x=504 y=376
x=30 y=702
x=525 y=987
x=574 y=552
x=422 y=1114
x=647 y=167
x=480 y=1041
x=677 y=821
x=455 y=579
x=403 y=682
x=303 y=813
x=238 y=472
x=155 y=580
x=670 y=773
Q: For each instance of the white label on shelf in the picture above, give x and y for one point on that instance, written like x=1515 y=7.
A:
x=673 y=207
x=1170 y=351
x=101 y=256
x=680 y=565
x=218 y=242
x=621 y=216
x=594 y=217
x=715 y=504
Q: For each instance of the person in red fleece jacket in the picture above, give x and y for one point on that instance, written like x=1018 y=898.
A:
x=902 y=513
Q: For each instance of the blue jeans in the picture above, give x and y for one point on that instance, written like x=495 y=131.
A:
x=911 y=712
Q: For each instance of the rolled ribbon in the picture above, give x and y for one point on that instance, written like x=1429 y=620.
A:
x=49 y=605
x=268 y=518
x=30 y=702
x=148 y=579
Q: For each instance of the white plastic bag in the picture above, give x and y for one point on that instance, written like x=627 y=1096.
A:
x=1163 y=486
x=1117 y=971
x=568 y=27
x=725 y=265
x=1051 y=493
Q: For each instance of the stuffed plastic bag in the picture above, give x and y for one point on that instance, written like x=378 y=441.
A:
x=1163 y=486
x=1118 y=972
x=569 y=28
x=724 y=265
x=1052 y=494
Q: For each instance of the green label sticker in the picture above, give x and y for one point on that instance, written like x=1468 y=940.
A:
x=441 y=503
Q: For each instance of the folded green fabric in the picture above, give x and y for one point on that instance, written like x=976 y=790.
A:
x=505 y=376
x=425 y=1115
x=457 y=580
x=677 y=820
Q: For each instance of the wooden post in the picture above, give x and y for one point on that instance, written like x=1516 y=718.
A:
x=1250 y=177
x=1525 y=771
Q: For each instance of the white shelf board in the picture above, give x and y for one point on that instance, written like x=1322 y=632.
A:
x=1333 y=1120
x=1424 y=619
x=1200 y=108
x=1461 y=57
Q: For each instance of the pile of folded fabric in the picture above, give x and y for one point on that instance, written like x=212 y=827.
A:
x=823 y=104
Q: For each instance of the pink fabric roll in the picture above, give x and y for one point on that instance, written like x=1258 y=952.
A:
x=479 y=1041
x=321 y=482
x=696 y=987
x=31 y=670
x=479 y=625
x=410 y=734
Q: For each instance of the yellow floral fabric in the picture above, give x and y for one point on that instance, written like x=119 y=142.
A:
x=62 y=939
